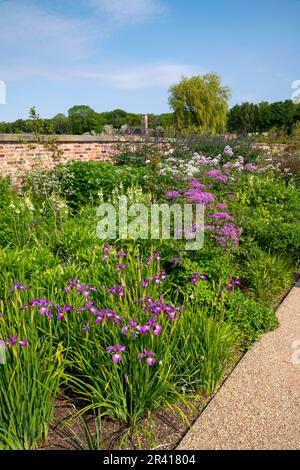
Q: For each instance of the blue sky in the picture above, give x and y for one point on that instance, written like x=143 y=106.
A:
x=126 y=53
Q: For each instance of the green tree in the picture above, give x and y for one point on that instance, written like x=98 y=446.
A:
x=264 y=118
x=200 y=104
x=61 y=124
x=84 y=119
x=243 y=118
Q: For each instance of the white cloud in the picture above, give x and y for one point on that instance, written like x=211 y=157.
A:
x=130 y=78
x=139 y=77
x=129 y=11
x=37 y=43
x=31 y=30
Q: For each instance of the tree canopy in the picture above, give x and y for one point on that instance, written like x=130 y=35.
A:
x=200 y=104
x=262 y=117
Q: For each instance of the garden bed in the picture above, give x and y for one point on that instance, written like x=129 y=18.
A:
x=135 y=332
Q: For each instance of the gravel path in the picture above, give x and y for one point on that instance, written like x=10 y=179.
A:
x=258 y=407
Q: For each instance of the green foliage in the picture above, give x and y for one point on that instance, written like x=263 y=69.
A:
x=48 y=236
x=264 y=117
x=252 y=317
x=268 y=208
x=243 y=118
x=266 y=275
x=200 y=104
x=29 y=382
x=84 y=119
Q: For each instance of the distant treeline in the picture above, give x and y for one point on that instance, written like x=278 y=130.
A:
x=282 y=117
x=83 y=119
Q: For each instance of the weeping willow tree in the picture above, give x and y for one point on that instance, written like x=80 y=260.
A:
x=200 y=104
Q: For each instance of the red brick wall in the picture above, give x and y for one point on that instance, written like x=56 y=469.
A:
x=17 y=159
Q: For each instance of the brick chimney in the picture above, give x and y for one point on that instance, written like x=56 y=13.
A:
x=145 y=124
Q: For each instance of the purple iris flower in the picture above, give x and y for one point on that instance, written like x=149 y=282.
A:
x=157 y=330
x=12 y=340
x=18 y=286
x=117 y=290
x=117 y=357
x=195 y=278
x=150 y=361
x=116 y=352
x=149 y=357
x=121 y=254
x=142 y=329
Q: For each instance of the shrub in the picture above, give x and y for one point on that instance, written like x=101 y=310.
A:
x=252 y=317
x=267 y=276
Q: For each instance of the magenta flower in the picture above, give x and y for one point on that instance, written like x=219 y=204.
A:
x=228 y=235
x=213 y=173
x=196 y=185
x=217 y=176
x=173 y=195
x=222 y=206
x=199 y=197
x=221 y=215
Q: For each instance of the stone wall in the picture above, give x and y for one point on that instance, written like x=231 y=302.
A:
x=20 y=155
